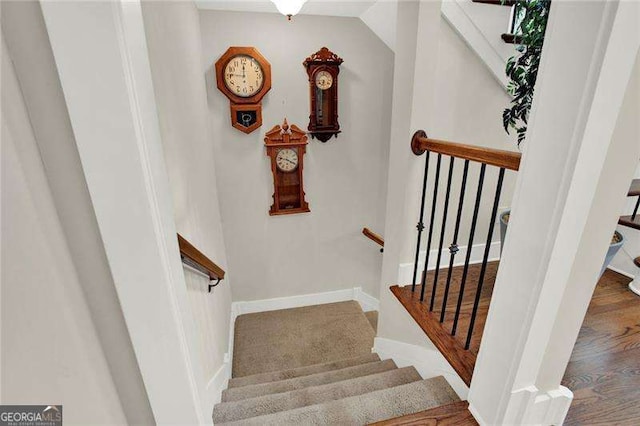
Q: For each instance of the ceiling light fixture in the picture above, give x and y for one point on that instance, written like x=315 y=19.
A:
x=289 y=7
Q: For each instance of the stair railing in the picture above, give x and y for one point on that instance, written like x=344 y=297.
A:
x=195 y=259
x=504 y=160
x=374 y=237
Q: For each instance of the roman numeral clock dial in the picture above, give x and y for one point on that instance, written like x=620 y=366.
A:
x=244 y=76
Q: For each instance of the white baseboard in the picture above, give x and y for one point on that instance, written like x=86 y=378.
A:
x=366 y=301
x=428 y=362
x=218 y=383
x=405 y=270
x=530 y=406
x=621 y=272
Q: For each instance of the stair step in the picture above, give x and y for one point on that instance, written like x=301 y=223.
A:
x=456 y=413
x=634 y=189
x=301 y=371
x=269 y=404
x=628 y=221
x=252 y=391
x=362 y=409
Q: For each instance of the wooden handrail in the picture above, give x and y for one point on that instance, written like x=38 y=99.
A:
x=373 y=236
x=199 y=260
x=495 y=157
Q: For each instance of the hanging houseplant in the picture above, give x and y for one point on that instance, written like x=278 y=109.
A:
x=522 y=69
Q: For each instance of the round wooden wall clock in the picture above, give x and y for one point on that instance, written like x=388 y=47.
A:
x=286 y=147
x=244 y=76
x=323 y=68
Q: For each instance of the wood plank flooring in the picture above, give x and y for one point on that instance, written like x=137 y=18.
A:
x=604 y=370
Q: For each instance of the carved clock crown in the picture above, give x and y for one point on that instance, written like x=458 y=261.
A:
x=323 y=55
x=283 y=134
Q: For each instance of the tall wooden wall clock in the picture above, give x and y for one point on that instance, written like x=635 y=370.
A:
x=244 y=76
x=323 y=68
x=286 y=147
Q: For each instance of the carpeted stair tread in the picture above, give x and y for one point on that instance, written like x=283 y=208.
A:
x=252 y=391
x=362 y=409
x=372 y=317
x=298 y=337
x=301 y=371
x=269 y=404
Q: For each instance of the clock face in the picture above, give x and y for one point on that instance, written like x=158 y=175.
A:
x=243 y=76
x=287 y=160
x=324 y=80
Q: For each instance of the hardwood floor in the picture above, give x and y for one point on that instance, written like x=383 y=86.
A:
x=604 y=370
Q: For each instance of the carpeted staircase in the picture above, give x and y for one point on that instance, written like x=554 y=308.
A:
x=354 y=390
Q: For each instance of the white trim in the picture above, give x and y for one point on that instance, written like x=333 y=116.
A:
x=634 y=285
x=460 y=21
x=476 y=415
x=405 y=270
x=366 y=301
x=218 y=383
x=429 y=362
x=541 y=408
x=621 y=272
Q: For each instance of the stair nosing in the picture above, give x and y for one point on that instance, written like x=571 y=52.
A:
x=396 y=375
x=233 y=382
x=265 y=418
x=227 y=392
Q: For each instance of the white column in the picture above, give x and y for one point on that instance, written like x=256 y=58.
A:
x=580 y=155
x=417 y=32
x=101 y=54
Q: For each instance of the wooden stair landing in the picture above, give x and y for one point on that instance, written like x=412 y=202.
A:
x=452 y=347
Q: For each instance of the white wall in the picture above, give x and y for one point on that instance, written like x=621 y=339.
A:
x=464 y=106
x=173 y=38
x=344 y=178
x=24 y=31
x=51 y=351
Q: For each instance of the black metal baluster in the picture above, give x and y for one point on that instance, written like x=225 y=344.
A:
x=635 y=210
x=420 y=225
x=494 y=213
x=469 y=248
x=442 y=229
x=453 y=248
x=433 y=214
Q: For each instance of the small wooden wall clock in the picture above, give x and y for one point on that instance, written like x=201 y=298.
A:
x=323 y=68
x=286 y=147
x=244 y=76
